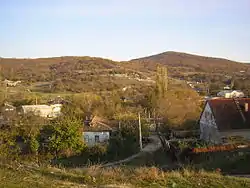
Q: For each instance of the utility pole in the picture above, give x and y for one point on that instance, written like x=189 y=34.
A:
x=119 y=125
x=154 y=115
x=120 y=130
x=6 y=92
x=140 y=135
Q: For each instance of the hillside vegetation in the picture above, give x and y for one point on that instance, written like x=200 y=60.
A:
x=191 y=63
x=214 y=73
x=81 y=74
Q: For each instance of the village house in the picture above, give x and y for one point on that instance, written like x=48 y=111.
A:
x=46 y=111
x=222 y=118
x=8 y=108
x=10 y=83
x=96 y=131
x=7 y=112
x=230 y=94
x=58 y=100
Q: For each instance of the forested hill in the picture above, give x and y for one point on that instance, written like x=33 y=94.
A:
x=99 y=72
x=189 y=63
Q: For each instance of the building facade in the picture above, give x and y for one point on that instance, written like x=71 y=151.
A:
x=46 y=111
x=92 y=138
x=222 y=118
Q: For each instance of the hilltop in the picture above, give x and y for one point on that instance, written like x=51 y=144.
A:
x=183 y=55
x=213 y=73
x=188 y=63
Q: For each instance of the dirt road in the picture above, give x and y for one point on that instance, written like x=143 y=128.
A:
x=149 y=148
x=242 y=175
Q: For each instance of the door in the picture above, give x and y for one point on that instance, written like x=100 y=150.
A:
x=97 y=139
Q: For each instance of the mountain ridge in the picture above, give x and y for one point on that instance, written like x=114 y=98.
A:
x=178 y=53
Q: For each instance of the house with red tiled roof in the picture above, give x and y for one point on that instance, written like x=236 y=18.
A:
x=222 y=118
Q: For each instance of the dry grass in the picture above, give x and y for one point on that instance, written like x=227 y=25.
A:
x=95 y=176
x=150 y=177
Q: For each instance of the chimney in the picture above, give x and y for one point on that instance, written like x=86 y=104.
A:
x=246 y=107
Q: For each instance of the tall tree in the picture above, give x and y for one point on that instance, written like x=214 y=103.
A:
x=161 y=81
x=161 y=87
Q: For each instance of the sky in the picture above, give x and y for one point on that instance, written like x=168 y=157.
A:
x=124 y=29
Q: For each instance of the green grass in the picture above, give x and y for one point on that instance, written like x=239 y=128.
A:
x=97 y=177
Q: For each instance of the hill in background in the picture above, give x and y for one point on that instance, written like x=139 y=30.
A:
x=187 y=64
x=82 y=74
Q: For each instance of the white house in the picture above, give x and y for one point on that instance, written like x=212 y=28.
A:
x=46 y=111
x=10 y=83
x=222 y=118
x=95 y=137
x=230 y=94
x=96 y=132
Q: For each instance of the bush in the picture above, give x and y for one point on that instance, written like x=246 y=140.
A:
x=9 y=150
x=63 y=136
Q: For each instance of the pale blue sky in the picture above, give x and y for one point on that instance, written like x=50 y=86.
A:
x=124 y=29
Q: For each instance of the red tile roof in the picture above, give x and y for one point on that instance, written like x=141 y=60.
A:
x=227 y=115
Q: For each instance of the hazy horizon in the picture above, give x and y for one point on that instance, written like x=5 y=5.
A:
x=124 y=30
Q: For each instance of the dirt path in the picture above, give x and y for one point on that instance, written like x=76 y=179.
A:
x=241 y=175
x=149 y=148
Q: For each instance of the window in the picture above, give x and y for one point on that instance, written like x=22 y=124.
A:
x=86 y=138
x=207 y=115
x=97 y=138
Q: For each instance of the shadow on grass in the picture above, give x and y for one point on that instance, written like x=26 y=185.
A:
x=65 y=177
x=155 y=159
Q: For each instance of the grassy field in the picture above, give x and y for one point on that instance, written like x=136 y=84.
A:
x=24 y=176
